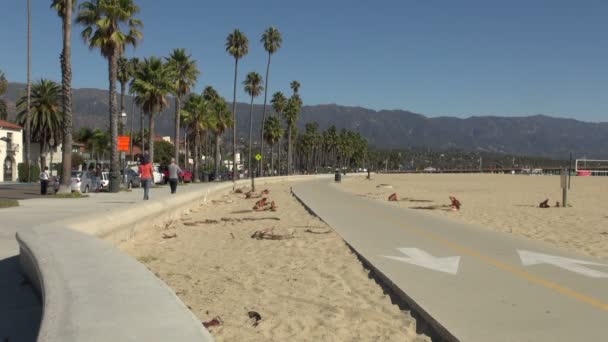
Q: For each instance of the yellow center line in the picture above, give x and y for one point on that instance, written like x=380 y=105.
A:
x=499 y=264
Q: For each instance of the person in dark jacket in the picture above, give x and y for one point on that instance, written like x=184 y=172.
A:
x=174 y=172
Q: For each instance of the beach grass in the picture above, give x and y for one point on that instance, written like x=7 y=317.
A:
x=70 y=195
x=7 y=203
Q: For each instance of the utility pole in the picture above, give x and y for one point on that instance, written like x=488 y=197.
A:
x=28 y=120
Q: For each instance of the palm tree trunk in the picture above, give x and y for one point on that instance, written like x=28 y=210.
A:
x=234 y=167
x=28 y=119
x=264 y=110
x=289 y=150
x=271 y=160
x=66 y=71
x=186 y=164
x=279 y=154
x=131 y=131
x=43 y=152
x=141 y=129
x=197 y=146
x=218 y=160
x=176 y=136
x=114 y=166
x=249 y=160
x=151 y=142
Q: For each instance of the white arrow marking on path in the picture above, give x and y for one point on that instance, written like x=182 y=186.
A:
x=423 y=259
x=573 y=265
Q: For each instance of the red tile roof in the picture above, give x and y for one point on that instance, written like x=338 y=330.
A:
x=9 y=125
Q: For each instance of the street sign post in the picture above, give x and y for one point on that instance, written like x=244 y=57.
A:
x=123 y=143
x=258 y=157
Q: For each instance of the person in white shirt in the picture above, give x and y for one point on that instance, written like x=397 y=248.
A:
x=44 y=180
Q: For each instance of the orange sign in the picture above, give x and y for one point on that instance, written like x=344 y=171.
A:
x=123 y=143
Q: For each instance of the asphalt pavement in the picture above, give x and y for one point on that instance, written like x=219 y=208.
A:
x=472 y=283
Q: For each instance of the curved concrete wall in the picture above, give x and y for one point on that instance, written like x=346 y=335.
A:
x=93 y=292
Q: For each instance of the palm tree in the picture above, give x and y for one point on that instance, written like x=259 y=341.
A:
x=196 y=117
x=110 y=26
x=185 y=74
x=64 y=9
x=3 y=88
x=85 y=137
x=278 y=104
x=135 y=63
x=292 y=109
x=272 y=40
x=123 y=75
x=237 y=46
x=46 y=118
x=272 y=133
x=153 y=81
x=100 y=141
x=219 y=120
x=295 y=86
x=253 y=87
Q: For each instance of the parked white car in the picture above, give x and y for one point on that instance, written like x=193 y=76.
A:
x=158 y=176
x=104 y=182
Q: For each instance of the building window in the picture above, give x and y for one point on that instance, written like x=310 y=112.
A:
x=9 y=141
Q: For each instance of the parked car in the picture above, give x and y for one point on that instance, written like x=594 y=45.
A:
x=104 y=182
x=157 y=174
x=133 y=179
x=83 y=181
x=185 y=176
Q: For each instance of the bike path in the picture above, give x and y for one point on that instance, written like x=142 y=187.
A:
x=477 y=284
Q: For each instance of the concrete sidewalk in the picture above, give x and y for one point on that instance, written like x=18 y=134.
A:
x=20 y=309
x=477 y=284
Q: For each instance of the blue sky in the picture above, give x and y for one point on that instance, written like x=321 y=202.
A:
x=439 y=58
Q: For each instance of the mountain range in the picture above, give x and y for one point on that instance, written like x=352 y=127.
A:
x=537 y=135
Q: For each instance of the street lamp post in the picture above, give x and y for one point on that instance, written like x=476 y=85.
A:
x=123 y=119
x=52 y=146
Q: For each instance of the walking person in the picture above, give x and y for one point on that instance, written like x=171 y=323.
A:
x=145 y=173
x=174 y=172
x=44 y=180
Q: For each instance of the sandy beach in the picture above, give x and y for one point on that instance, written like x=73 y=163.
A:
x=506 y=203
x=306 y=287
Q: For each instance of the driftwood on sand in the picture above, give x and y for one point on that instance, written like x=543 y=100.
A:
x=196 y=223
x=231 y=219
x=169 y=236
x=314 y=232
x=267 y=234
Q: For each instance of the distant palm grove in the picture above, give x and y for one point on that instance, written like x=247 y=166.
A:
x=201 y=120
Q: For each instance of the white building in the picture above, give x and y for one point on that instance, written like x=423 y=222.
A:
x=11 y=153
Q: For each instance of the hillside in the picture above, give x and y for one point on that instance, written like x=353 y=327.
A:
x=537 y=135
